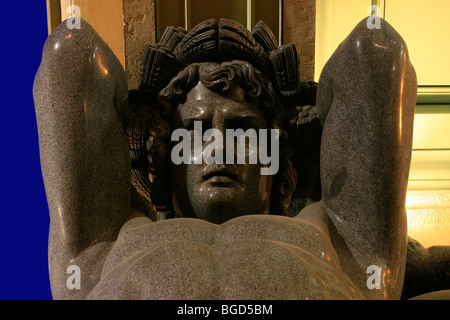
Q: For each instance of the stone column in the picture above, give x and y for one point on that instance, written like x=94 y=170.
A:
x=299 y=27
x=138 y=29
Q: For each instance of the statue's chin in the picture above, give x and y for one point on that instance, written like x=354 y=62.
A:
x=216 y=212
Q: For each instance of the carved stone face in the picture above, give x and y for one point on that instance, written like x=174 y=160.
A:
x=218 y=192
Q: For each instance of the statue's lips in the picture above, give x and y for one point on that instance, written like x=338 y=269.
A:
x=220 y=177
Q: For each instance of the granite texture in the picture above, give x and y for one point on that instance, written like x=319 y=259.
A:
x=250 y=257
x=365 y=100
x=79 y=91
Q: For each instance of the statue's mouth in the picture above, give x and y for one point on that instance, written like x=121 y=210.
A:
x=220 y=176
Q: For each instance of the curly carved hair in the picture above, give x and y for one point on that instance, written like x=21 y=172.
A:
x=220 y=78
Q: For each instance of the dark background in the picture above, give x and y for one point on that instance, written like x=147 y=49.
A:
x=24 y=217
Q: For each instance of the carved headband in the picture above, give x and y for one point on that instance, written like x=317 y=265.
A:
x=228 y=40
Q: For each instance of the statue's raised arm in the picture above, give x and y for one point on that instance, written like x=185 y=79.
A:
x=79 y=91
x=366 y=101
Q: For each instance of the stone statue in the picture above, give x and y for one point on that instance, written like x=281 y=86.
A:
x=140 y=226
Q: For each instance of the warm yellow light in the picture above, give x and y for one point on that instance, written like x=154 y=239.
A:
x=425 y=30
x=429 y=217
x=99 y=61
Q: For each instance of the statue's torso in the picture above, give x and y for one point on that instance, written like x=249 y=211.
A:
x=251 y=257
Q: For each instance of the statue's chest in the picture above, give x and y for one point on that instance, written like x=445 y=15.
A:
x=191 y=265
